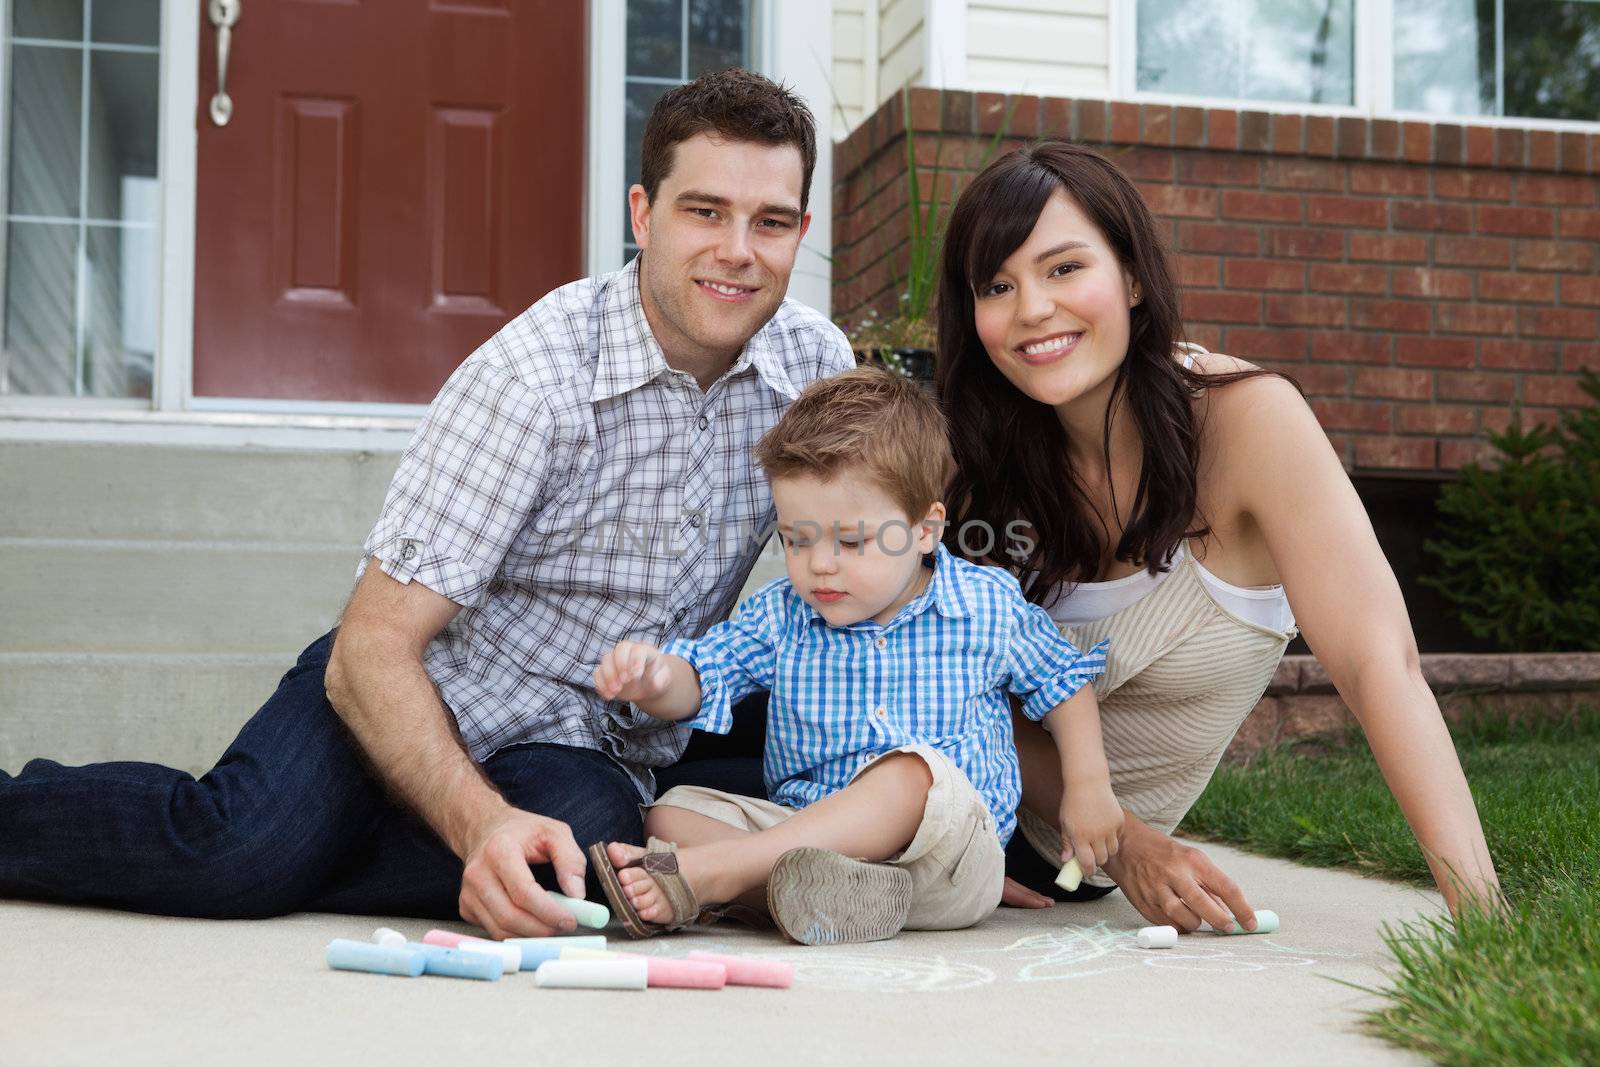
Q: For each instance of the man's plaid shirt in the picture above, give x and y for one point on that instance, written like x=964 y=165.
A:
x=569 y=490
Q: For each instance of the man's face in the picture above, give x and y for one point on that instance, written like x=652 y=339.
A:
x=720 y=241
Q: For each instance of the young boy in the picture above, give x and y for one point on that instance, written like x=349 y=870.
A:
x=889 y=733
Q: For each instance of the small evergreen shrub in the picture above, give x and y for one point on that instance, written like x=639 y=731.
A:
x=1519 y=551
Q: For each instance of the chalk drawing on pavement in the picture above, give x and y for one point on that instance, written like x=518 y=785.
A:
x=1073 y=951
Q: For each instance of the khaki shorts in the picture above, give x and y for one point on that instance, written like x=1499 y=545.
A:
x=956 y=864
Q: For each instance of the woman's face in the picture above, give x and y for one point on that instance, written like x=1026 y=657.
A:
x=1054 y=318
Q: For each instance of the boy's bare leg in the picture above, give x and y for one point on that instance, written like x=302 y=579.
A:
x=686 y=828
x=872 y=818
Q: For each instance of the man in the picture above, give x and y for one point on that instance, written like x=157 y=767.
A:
x=446 y=735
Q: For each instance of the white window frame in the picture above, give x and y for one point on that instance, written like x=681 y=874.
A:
x=1374 y=78
x=789 y=42
x=174 y=415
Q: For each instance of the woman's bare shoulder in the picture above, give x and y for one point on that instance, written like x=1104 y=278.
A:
x=1215 y=363
x=1245 y=397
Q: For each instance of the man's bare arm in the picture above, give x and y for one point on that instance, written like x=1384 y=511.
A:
x=376 y=682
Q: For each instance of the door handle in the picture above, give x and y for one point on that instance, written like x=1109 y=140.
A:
x=224 y=13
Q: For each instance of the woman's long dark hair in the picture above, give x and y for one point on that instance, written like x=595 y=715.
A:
x=1010 y=450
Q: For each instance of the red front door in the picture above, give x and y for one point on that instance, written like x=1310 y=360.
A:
x=398 y=179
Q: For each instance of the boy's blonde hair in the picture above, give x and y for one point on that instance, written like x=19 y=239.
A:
x=868 y=422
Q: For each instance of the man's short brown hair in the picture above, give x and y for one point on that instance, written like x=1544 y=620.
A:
x=870 y=423
x=732 y=105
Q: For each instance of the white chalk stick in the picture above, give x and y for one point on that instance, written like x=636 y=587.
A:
x=388 y=938
x=1158 y=937
x=593 y=974
x=1071 y=876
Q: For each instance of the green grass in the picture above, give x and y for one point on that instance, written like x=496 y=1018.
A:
x=1518 y=988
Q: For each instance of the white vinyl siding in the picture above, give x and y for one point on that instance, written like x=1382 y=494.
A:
x=900 y=45
x=855 y=65
x=1040 y=47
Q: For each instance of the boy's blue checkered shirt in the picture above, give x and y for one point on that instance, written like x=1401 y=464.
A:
x=937 y=674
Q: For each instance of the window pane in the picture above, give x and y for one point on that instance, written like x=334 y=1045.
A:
x=1552 y=59
x=655 y=38
x=717 y=31
x=59 y=19
x=41 y=291
x=1295 y=51
x=127 y=22
x=45 y=120
x=641 y=98
x=1444 y=56
x=124 y=89
x=120 y=297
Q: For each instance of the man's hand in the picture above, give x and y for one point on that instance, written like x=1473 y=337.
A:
x=498 y=892
x=1173 y=884
x=632 y=671
x=1091 y=825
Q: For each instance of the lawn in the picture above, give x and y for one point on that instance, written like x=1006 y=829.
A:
x=1518 y=988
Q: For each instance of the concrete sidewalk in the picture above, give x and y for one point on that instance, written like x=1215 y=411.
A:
x=85 y=986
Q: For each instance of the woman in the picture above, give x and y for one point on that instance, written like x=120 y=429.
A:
x=1182 y=503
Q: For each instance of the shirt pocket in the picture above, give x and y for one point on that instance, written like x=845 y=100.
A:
x=946 y=702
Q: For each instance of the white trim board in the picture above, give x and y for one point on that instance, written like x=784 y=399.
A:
x=297 y=432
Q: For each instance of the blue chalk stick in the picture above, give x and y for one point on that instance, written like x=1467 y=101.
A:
x=458 y=963
x=536 y=950
x=346 y=955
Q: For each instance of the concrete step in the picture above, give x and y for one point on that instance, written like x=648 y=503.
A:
x=180 y=711
x=151 y=597
x=170 y=596
x=146 y=492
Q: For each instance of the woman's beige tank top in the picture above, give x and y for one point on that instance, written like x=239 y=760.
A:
x=1182 y=672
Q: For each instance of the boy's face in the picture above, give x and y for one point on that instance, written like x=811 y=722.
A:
x=852 y=552
x=720 y=242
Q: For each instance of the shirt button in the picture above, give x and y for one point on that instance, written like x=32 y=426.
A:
x=705 y=423
x=409 y=552
x=879 y=713
x=694 y=521
x=881 y=643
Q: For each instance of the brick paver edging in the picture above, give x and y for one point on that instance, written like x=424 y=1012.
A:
x=1301 y=701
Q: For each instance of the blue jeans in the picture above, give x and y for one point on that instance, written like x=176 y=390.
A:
x=290 y=819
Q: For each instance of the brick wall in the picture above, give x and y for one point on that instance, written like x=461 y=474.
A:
x=1416 y=278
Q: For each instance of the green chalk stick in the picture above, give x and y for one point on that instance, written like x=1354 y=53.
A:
x=1266 y=923
x=587 y=912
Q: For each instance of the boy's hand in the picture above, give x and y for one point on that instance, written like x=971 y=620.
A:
x=632 y=671
x=1091 y=825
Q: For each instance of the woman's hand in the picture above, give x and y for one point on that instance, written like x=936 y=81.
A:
x=1172 y=884
x=1091 y=824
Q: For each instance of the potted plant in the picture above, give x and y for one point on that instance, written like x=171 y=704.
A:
x=904 y=342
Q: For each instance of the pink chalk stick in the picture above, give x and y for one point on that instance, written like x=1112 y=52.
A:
x=685 y=974
x=444 y=938
x=743 y=971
